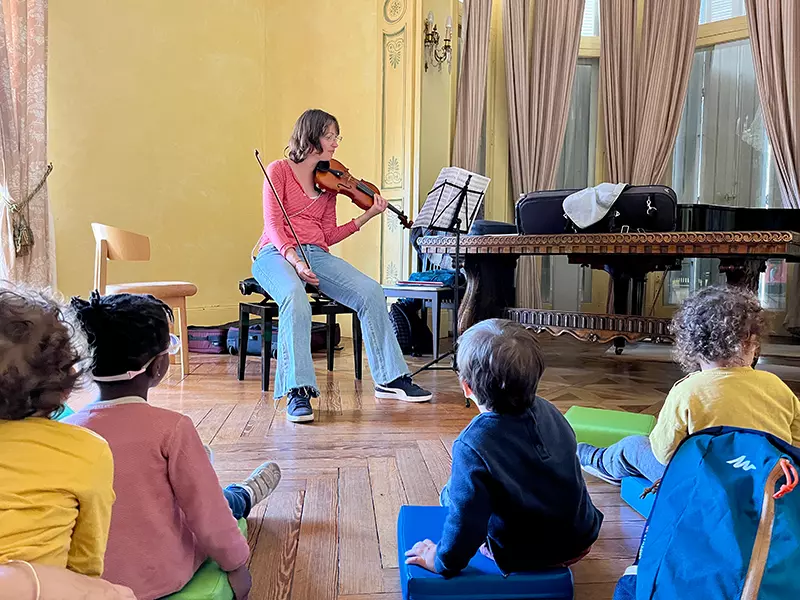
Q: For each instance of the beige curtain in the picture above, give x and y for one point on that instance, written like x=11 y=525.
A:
x=643 y=86
x=775 y=41
x=23 y=144
x=669 y=31
x=618 y=85
x=471 y=94
x=643 y=83
x=541 y=49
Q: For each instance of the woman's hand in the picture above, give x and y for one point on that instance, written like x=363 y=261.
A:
x=379 y=205
x=305 y=273
x=423 y=554
x=56 y=583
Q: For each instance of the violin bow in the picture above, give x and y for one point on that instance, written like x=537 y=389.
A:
x=283 y=209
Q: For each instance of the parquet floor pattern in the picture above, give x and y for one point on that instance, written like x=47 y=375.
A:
x=328 y=532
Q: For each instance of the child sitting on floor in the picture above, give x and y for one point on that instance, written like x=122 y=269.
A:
x=55 y=479
x=516 y=491
x=171 y=514
x=718 y=331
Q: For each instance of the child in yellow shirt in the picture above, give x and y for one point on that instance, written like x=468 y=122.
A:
x=717 y=333
x=56 y=480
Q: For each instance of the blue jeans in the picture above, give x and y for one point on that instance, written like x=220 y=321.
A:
x=239 y=500
x=346 y=285
x=632 y=457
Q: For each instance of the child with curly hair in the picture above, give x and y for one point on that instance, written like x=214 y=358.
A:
x=171 y=514
x=56 y=480
x=717 y=334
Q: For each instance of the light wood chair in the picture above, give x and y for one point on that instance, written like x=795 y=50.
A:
x=118 y=244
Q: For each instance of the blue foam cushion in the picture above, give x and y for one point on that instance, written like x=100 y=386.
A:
x=632 y=489
x=481 y=580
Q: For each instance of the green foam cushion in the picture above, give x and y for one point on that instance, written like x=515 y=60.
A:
x=209 y=582
x=602 y=427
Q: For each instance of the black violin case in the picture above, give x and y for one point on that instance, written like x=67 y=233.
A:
x=639 y=208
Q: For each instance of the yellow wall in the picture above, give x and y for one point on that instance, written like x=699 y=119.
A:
x=154 y=111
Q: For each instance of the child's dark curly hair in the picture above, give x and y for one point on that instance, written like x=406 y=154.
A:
x=715 y=325
x=42 y=354
x=124 y=330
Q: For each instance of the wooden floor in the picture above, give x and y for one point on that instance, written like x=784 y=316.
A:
x=329 y=530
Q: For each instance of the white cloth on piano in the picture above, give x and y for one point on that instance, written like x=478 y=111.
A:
x=588 y=206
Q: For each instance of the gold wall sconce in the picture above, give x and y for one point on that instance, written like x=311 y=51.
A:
x=434 y=54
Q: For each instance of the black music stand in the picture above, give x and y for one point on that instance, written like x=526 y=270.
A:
x=446 y=209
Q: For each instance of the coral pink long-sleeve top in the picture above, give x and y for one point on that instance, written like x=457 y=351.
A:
x=170 y=514
x=314 y=219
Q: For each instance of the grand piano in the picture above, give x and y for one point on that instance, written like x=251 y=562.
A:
x=744 y=239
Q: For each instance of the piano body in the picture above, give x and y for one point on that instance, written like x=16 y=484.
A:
x=712 y=217
x=744 y=239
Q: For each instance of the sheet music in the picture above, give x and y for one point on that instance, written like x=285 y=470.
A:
x=440 y=204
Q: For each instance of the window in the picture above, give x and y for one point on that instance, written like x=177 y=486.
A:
x=719 y=10
x=571 y=284
x=722 y=155
x=576 y=166
x=697 y=273
x=590 y=26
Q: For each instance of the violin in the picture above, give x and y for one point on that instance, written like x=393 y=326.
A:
x=333 y=176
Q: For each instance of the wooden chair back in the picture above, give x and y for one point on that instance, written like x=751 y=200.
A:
x=112 y=243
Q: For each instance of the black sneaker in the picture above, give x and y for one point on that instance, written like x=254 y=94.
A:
x=298 y=409
x=404 y=389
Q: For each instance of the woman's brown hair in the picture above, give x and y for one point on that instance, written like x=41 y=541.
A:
x=308 y=130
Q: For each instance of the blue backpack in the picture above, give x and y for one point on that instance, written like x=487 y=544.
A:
x=725 y=522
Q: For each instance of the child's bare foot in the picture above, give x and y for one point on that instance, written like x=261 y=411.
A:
x=262 y=482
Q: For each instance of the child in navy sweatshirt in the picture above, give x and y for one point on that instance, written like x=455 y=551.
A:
x=516 y=491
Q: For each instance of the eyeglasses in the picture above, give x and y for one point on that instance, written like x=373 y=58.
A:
x=173 y=348
x=332 y=138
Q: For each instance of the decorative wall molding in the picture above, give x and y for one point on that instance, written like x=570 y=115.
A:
x=395 y=50
x=393 y=10
x=392 y=274
x=393 y=177
x=393 y=109
x=396 y=72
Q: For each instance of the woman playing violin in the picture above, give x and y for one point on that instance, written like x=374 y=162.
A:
x=283 y=273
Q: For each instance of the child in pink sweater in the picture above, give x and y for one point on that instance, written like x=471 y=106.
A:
x=170 y=514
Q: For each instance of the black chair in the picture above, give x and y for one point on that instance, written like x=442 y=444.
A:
x=442 y=298
x=438 y=299
x=267 y=310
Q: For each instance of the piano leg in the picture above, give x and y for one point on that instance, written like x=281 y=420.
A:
x=490 y=288
x=628 y=300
